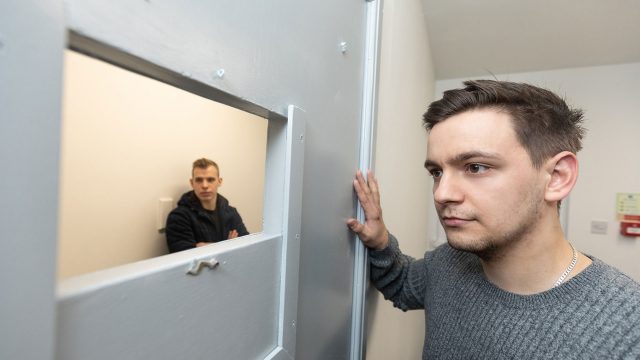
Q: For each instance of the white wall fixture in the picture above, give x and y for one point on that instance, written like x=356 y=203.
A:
x=165 y=205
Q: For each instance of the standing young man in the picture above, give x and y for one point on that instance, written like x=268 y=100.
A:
x=203 y=216
x=508 y=284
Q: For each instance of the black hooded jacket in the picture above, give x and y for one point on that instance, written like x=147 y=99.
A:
x=190 y=223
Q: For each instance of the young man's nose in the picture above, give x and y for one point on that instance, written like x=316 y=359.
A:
x=447 y=190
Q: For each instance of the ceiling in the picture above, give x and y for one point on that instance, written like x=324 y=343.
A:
x=481 y=37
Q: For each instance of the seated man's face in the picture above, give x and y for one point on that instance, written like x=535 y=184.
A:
x=205 y=183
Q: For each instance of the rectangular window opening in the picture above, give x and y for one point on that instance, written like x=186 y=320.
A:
x=130 y=133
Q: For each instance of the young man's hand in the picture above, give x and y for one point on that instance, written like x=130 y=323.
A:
x=373 y=233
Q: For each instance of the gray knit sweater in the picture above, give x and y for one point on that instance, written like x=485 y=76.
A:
x=594 y=315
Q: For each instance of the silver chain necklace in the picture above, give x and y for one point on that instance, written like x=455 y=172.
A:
x=568 y=270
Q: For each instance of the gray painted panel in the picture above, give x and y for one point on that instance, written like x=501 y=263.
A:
x=228 y=312
x=31 y=42
x=292 y=229
x=274 y=53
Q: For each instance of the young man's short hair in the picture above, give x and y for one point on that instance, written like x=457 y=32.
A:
x=544 y=124
x=204 y=163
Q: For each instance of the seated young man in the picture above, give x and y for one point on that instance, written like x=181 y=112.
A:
x=203 y=216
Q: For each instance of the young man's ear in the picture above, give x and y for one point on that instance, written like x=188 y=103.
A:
x=563 y=174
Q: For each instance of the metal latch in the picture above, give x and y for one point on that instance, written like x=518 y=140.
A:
x=197 y=266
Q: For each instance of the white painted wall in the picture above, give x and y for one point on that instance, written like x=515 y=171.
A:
x=406 y=88
x=609 y=160
x=128 y=141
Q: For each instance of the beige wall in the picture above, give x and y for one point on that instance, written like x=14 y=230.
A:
x=608 y=162
x=406 y=88
x=128 y=141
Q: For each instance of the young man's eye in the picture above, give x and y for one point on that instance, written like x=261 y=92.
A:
x=435 y=173
x=477 y=168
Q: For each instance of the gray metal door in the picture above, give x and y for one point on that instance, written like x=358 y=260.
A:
x=273 y=53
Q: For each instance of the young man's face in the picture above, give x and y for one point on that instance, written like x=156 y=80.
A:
x=205 y=183
x=486 y=191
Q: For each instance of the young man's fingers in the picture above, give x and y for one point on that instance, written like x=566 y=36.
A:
x=355 y=226
x=366 y=200
x=363 y=183
x=362 y=195
x=373 y=185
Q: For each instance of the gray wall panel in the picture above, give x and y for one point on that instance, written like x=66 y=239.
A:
x=31 y=39
x=229 y=312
